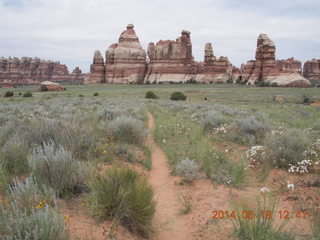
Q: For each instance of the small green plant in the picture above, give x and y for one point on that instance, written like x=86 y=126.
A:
x=8 y=94
x=27 y=94
x=178 y=96
x=306 y=99
x=96 y=94
x=151 y=95
x=55 y=166
x=80 y=95
x=124 y=196
x=186 y=205
x=258 y=225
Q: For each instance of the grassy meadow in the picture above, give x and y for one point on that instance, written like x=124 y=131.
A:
x=89 y=144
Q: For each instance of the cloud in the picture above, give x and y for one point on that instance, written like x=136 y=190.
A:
x=70 y=30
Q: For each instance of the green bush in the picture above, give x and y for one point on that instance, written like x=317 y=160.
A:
x=287 y=148
x=151 y=95
x=8 y=94
x=96 y=94
x=124 y=196
x=27 y=94
x=13 y=158
x=260 y=227
x=128 y=130
x=178 y=96
x=55 y=166
x=43 y=223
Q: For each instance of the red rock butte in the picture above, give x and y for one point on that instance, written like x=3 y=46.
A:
x=172 y=61
x=24 y=71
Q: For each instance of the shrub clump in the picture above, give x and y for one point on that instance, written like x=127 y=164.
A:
x=250 y=130
x=13 y=158
x=213 y=120
x=96 y=94
x=127 y=129
x=29 y=194
x=178 y=96
x=188 y=169
x=27 y=94
x=8 y=94
x=55 y=166
x=151 y=95
x=124 y=196
x=43 y=223
x=285 y=149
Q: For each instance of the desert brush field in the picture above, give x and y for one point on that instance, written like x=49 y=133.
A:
x=126 y=162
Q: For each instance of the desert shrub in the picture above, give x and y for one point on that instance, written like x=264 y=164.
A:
x=188 y=169
x=151 y=95
x=43 y=88
x=8 y=94
x=27 y=94
x=127 y=129
x=37 y=132
x=43 y=223
x=212 y=120
x=96 y=94
x=259 y=227
x=110 y=113
x=29 y=194
x=55 y=166
x=287 y=148
x=5 y=132
x=306 y=99
x=250 y=130
x=81 y=95
x=178 y=96
x=13 y=158
x=123 y=195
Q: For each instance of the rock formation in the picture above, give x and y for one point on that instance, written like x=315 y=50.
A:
x=50 y=86
x=171 y=61
x=214 y=70
x=266 y=69
x=311 y=71
x=126 y=60
x=97 y=69
x=15 y=71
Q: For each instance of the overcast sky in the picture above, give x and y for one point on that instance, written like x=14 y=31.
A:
x=70 y=31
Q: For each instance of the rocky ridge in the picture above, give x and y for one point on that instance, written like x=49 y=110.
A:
x=15 y=71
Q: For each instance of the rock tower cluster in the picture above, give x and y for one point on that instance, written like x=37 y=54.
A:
x=168 y=61
x=15 y=71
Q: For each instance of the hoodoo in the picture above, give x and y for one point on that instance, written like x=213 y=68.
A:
x=266 y=69
x=171 y=61
x=126 y=60
x=311 y=71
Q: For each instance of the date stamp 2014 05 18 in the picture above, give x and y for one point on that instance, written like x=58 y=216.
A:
x=266 y=214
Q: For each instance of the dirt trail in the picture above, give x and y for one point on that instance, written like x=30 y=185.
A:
x=167 y=215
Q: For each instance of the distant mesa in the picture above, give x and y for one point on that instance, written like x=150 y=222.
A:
x=171 y=61
x=25 y=71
